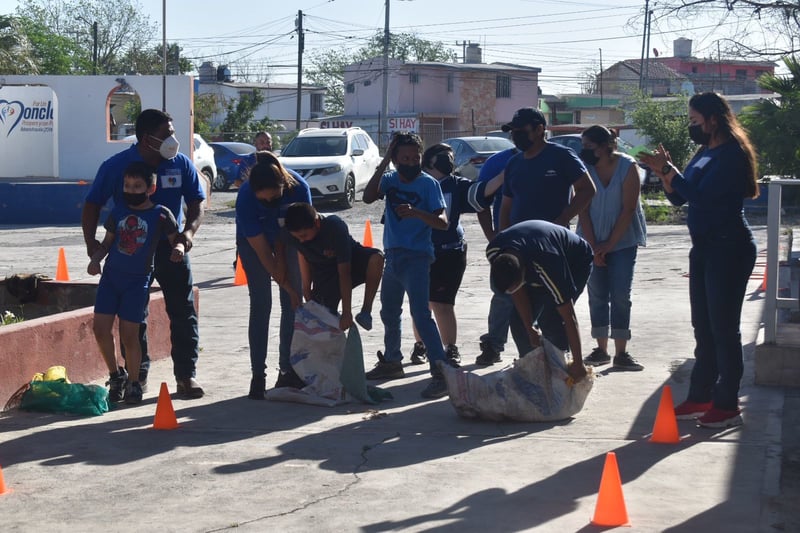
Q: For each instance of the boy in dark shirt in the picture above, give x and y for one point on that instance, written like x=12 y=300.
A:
x=332 y=263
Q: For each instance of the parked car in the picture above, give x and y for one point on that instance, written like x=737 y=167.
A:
x=202 y=155
x=336 y=162
x=472 y=152
x=233 y=160
x=573 y=140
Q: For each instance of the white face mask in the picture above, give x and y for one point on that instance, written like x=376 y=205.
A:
x=169 y=147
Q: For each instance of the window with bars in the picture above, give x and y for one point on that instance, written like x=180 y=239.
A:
x=316 y=103
x=503 y=86
x=413 y=77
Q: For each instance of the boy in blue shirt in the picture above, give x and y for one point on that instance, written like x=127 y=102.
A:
x=414 y=205
x=133 y=230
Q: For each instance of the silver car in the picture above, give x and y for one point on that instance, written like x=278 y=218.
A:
x=472 y=152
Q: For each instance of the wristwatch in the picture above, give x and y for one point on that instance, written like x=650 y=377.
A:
x=666 y=169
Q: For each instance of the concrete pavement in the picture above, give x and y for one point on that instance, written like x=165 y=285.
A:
x=408 y=465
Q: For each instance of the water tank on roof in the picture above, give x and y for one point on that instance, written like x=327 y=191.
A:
x=208 y=72
x=473 y=53
x=682 y=47
x=223 y=73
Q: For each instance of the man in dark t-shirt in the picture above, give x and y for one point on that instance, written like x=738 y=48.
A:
x=544 y=267
x=332 y=263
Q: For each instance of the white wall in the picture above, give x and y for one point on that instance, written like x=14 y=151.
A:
x=81 y=116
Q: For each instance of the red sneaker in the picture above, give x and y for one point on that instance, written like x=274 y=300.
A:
x=719 y=418
x=690 y=410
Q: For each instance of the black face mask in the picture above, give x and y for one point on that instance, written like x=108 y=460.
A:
x=134 y=199
x=697 y=135
x=521 y=140
x=271 y=204
x=409 y=172
x=588 y=156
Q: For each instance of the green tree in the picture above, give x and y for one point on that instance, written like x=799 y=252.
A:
x=16 y=51
x=327 y=68
x=240 y=124
x=121 y=25
x=205 y=106
x=774 y=124
x=664 y=122
x=53 y=53
x=151 y=61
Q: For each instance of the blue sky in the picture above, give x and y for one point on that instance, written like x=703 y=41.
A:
x=564 y=38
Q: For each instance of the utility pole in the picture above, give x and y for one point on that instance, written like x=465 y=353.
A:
x=647 y=57
x=645 y=34
x=601 y=77
x=300 y=43
x=383 y=120
x=164 y=58
x=94 y=48
x=463 y=45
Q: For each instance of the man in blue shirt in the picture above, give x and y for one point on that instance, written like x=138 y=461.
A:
x=546 y=181
x=177 y=183
x=544 y=267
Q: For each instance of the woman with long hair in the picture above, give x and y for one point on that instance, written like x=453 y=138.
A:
x=715 y=183
x=260 y=207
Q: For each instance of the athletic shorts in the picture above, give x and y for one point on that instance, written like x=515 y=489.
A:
x=123 y=295
x=447 y=271
x=325 y=282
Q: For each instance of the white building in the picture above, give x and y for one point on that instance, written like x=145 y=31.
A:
x=280 y=99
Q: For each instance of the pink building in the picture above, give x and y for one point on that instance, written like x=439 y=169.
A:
x=437 y=100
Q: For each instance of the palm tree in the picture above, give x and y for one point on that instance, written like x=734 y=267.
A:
x=774 y=123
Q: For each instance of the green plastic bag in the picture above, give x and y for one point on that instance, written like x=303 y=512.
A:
x=62 y=397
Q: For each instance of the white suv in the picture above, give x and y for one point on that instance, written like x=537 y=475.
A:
x=336 y=162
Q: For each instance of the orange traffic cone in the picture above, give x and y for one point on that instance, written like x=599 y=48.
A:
x=3 y=488
x=367 y=242
x=165 y=414
x=239 y=278
x=764 y=281
x=610 y=509
x=62 y=274
x=665 y=429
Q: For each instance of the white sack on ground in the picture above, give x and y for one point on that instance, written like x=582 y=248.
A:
x=535 y=388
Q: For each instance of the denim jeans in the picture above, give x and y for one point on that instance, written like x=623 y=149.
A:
x=609 y=291
x=259 y=288
x=500 y=309
x=407 y=272
x=719 y=268
x=176 y=284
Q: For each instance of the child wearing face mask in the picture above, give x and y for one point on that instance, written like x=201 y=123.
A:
x=614 y=225
x=414 y=206
x=133 y=231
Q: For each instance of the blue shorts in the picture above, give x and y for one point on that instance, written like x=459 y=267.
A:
x=123 y=295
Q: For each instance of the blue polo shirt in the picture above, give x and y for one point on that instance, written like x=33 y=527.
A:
x=541 y=186
x=253 y=217
x=177 y=181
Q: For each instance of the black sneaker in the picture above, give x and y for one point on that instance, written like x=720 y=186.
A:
x=488 y=356
x=258 y=384
x=289 y=378
x=598 y=357
x=143 y=379
x=420 y=354
x=436 y=388
x=624 y=361
x=452 y=355
x=116 y=385
x=386 y=369
x=133 y=393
